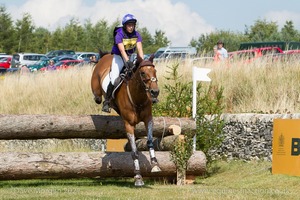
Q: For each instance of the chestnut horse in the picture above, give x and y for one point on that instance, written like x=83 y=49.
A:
x=133 y=102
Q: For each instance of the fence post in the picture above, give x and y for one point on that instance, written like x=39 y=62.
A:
x=199 y=74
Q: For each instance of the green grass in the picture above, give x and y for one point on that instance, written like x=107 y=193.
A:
x=227 y=180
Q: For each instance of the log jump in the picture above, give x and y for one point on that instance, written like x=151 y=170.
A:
x=84 y=126
x=17 y=166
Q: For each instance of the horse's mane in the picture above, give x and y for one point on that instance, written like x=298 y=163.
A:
x=102 y=53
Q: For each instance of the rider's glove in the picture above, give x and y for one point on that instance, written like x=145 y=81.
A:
x=129 y=65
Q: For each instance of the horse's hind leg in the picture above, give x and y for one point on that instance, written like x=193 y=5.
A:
x=135 y=156
x=154 y=163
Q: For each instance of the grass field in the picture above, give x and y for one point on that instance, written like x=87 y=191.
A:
x=233 y=180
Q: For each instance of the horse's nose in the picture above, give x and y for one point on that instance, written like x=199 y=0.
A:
x=154 y=92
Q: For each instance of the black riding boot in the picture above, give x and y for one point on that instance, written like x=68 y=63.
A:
x=106 y=107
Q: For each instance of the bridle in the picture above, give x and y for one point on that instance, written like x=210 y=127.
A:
x=145 y=80
x=148 y=89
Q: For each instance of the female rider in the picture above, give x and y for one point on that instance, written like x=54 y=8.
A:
x=126 y=41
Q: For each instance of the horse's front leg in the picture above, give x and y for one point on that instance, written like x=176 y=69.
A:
x=135 y=156
x=154 y=163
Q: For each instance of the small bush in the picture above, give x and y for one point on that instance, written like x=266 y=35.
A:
x=178 y=103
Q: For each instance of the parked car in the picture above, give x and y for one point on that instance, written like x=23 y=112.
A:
x=252 y=54
x=5 y=62
x=85 y=55
x=39 y=64
x=4 y=56
x=166 y=53
x=55 y=53
x=64 y=64
x=294 y=51
x=26 y=59
x=63 y=57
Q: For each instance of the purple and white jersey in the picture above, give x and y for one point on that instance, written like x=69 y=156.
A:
x=129 y=40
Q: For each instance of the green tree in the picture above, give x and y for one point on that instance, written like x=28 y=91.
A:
x=24 y=33
x=262 y=31
x=73 y=35
x=102 y=36
x=160 y=40
x=206 y=42
x=88 y=35
x=56 y=40
x=41 y=40
x=147 y=41
x=289 y=33
x=6 y=31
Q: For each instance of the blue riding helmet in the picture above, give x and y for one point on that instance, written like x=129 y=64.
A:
x=128 y=18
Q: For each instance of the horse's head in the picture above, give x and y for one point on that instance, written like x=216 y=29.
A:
x=147 y=73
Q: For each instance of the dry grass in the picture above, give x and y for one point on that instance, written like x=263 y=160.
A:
x=260 y=86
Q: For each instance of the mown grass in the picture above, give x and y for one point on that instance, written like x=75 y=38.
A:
x=228 y=180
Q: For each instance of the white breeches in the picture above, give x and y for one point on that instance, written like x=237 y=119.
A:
x=116 y=67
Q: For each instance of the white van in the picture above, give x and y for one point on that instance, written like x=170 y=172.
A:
x=174 y=52
x=26 y=58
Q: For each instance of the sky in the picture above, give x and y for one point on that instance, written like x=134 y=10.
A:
x=180 y=20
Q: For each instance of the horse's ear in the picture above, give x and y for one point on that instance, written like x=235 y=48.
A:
x=151 y=58
x=138 y=60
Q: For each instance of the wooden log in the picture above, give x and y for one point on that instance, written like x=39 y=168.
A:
x=16 y=166
x=84 y=126
x=160 y=144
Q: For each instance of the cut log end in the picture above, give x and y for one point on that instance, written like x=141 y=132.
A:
x=175 y=130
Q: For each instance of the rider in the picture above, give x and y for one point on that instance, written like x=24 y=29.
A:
x=126 y=41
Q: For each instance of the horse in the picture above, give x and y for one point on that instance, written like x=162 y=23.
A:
x=132 y=100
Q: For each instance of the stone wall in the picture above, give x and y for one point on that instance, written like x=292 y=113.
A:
x=249 y=136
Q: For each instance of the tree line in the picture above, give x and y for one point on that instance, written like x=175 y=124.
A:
x=23 y=36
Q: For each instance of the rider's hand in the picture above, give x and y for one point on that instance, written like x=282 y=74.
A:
x=129 y=64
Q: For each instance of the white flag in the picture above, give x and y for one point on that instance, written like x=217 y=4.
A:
x=199 y=74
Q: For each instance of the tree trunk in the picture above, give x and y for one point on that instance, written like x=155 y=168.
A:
x=15 y=166
x=84 y=126
x=160 y=144
x=181 y=177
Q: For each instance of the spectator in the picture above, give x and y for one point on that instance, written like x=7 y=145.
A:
x=93 y=59
x=24 y=70
x=217 y=55
x=222 y=51
x=51 y=66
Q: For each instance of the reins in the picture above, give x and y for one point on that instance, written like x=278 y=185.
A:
x=147 y=89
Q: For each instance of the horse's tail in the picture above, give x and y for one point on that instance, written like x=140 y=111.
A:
x=102 y=53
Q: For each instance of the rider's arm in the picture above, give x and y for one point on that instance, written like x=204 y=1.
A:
x=123 y=52
x=140 y=52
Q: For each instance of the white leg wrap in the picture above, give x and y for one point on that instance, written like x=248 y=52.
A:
x=152 y=154
x=136 y=165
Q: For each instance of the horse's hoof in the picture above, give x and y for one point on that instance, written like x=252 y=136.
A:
x=139 y=183
x=155 y=169
x=98 y=100
x=138 y=180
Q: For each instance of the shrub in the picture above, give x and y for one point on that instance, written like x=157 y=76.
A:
x=178 y=103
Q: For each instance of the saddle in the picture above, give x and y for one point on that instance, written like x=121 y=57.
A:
x=125 y=75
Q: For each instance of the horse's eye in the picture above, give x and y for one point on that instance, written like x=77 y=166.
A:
x=143 y=74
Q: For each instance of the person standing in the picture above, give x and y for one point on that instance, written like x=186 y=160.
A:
x=51 y=66
x=126 y=41
x=221 y=50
